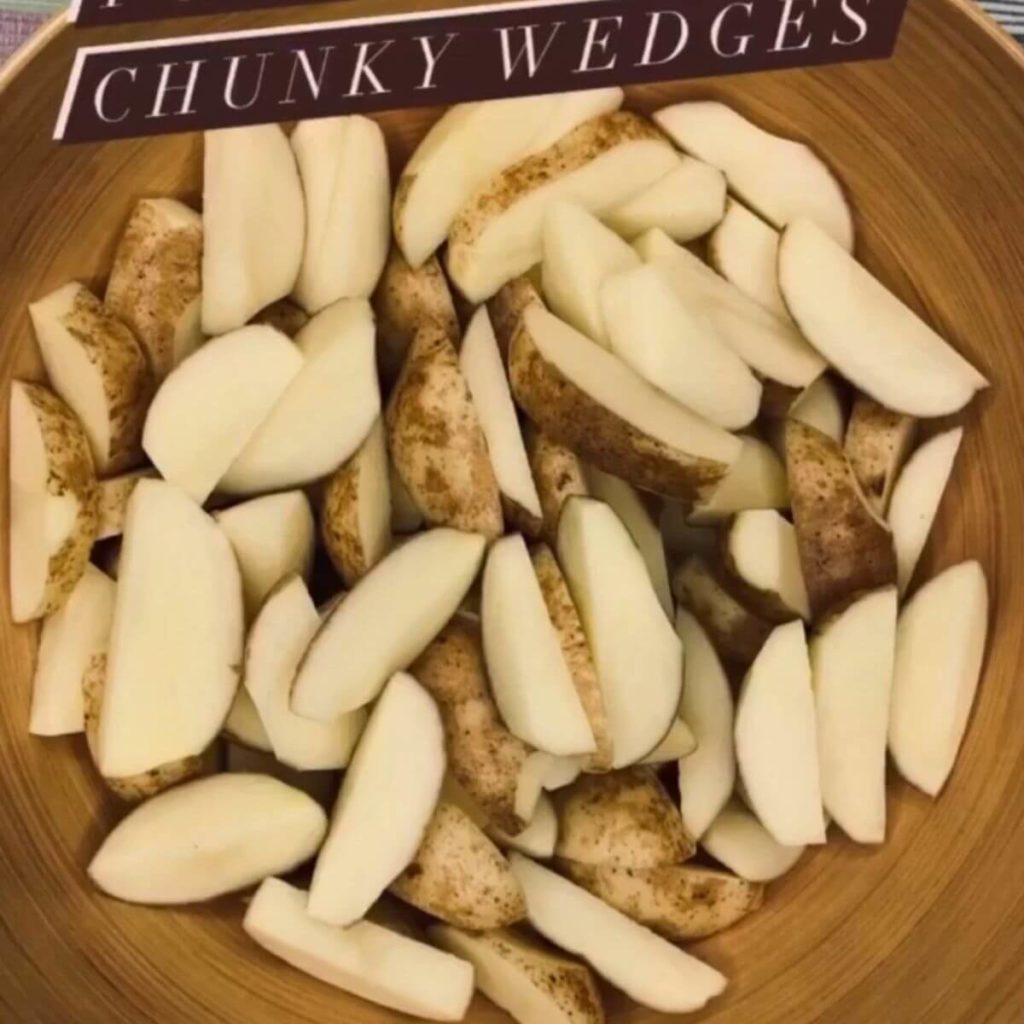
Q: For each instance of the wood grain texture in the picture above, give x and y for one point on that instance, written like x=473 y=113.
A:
x=928 y=929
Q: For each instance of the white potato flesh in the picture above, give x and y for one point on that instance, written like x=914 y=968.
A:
x=766 y=343
x=763 y=553
x=820 y=407
x=638 y=656
x=540 y=836
x=940 y=648
x=679 y=743
x=254 y=217
x=484 y=370
x=366 y=960
x=777 y=740
x=325 y=413
x=115 y=493
x=176 y=641
x=399 y=763
x=469 y=145
x=867 y=333
x=70 y=639
x=916 y=499
x=852 y=668
x=386 y=622
x=210 y=407
x=686 y=204
x=207 y=838
x=744 y=249
x=739 y=841
x=757 y=480
x=625 y=501
x=707 y=777
x=530 y=677
x=273 y=537
x=647 y=968
x=780 y=178
x=277 y=641
x=579 y=254
x=244 y=725
x=676 y=349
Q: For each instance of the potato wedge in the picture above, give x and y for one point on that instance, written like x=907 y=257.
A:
x=156 y=282
x=740 y=842
x=845 y=549
x=497 y=234
x=436 y=440
x=679 y=902
x=582 y=396
x=95 y=364
x=757 y=480
x=54 y=502
x=115 y=493
x=626 y=819
x=460 y=876
x=678 y=744
x=559 y=475
x=507 y=307
x=322 y=786
x=877 y=444
x=244 y=727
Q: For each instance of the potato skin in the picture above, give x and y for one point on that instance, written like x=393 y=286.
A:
x=483 y=756
x=460 y=876
x=679 y=902
x=625 y=818
x=878 y=442
x=506 y=309
x=115 y=493
x=436 y=441
x=559 y=476
x=765 y=604
x=845 y=549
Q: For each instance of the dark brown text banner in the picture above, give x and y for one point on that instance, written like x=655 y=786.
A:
x=117 y=12
x=468 y=53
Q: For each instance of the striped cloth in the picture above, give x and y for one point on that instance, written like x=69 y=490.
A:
x=20 y=18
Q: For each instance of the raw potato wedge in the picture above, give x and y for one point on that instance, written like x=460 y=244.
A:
x=436 y=440
x=54 y=503
x=208 y=838
x=400 y=762
x=779 y=178
x=356 y=511
x=625 y=819
x=845 y=549
x=95 y=364
x=460 y=876
x=634 y=959
x=70 y=639
x=566 y=620
x=209 y=408
x=916 y=499
x=367 y=960
x=529 y=981
x=940 y=648
x=762 y=560
x=768 y=344
x=321 y=786
x=468 y=146
x=820 y=407
x=156 y=282
x=244 y=727
x=686 y=204
x=877 y=444
x=507 y=307
x=386 y=622
x=404 y=300
x=736 y=632
x=679 y=902
x=539 y=837
x=852 y=668
x=497 y=234
x=326 y=411
x=286 y=623
x=284 y=316
x=254 y=216
x=874 y=340
x=343 y=164
x=583 y=397
x=174 y=663
x=679 y=743
x=559 y=475
x=678 y=351
x=273 y=538
x=757 y=480
x=482 y=366
x=115 y=493
x=740 y=842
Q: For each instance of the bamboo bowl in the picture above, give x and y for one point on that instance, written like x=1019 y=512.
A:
x=928 y=928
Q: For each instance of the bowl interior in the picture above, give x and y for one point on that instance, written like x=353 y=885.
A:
x=929 y=927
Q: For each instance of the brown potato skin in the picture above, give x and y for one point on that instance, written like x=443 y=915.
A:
x=436 y=442
x=625 y=818
x=845 y=549
x=460 y=876
x=559 y=476
x=569 y=416
x=115 y=493
x=878 y=442
x=679 y=902
x=765 y=604
x=507 y=307
x=483 y=756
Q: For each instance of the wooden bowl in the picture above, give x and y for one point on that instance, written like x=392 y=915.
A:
x=928 y=928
